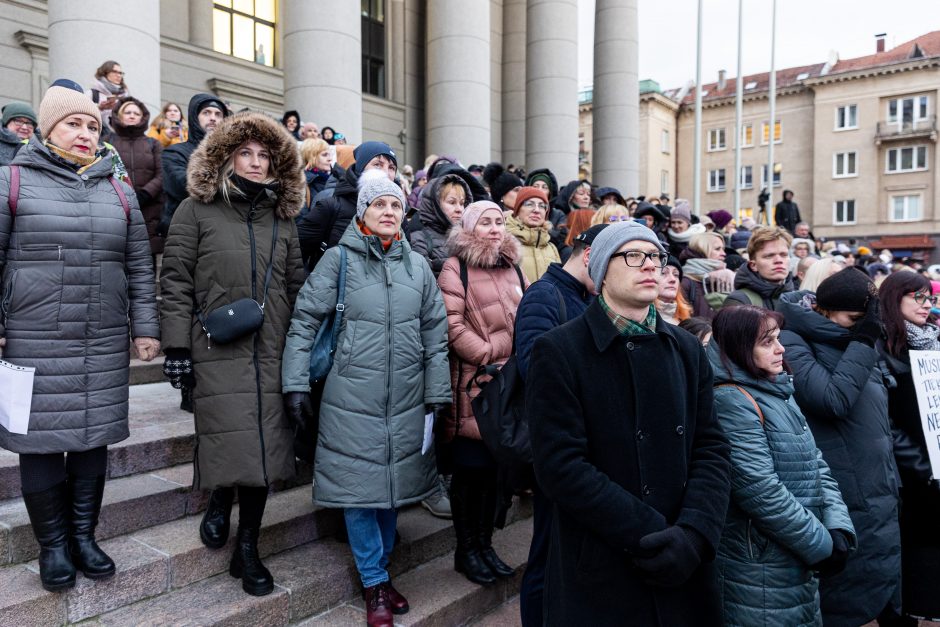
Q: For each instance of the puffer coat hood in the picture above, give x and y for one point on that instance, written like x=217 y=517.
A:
x=202 y=179
x=138 y=129
x=480 y=318
x=784 y=501
x=71 y=298
x=840 y=387
x=196 y=132
x=390 y=361
x=537 y=249
x=428 y=236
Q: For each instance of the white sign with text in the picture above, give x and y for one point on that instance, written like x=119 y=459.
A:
x=925 y=368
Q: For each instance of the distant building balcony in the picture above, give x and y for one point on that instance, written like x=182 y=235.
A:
x=906 y=130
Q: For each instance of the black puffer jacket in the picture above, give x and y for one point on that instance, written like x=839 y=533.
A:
x=325 y=223
x=428 y=234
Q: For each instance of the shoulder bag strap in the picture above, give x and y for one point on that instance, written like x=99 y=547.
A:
x=122 y=197
x=760 y=414
x=521 y=277
x=14 y=195
x=267 y=274
x=464 y=274
x=340 y=298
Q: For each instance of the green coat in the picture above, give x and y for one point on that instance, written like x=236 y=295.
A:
x=391 y=361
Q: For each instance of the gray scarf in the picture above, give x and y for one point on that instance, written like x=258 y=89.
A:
x=698 y=267
x=922 y=338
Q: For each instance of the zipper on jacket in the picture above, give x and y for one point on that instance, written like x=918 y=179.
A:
x=750 y=545
x=254 y=361
x=388 y=381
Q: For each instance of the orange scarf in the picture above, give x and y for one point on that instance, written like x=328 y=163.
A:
x=386 y=244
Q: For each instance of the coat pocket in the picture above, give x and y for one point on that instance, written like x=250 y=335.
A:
x=32 y=295
x=113 y=294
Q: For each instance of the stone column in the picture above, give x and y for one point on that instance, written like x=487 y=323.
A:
x=322 y=57
x=514 y=44
x=616 y=147
x=458 y=79
x=200 y=23
x=83 y=35
x=551 y=101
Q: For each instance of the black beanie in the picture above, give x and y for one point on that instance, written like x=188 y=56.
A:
x=847 y=290
x=500 y=180
x=675 y=264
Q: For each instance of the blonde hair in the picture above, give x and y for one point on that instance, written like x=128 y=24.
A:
x=224 y=181
x=602 y=215
x=446 y=187
x=819 y=272
x=310 y=149
x=763 y=235
x=699 y=242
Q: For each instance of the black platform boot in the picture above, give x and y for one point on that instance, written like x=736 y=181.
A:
x=47 y=515
x=487 y=496
x=467 y=558
x=246 y=564
x=217 y=520
x=86 y=494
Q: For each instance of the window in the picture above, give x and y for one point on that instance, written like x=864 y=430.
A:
x=244 y=29
x=763 y=175
x=777 y=133
x=747 y=135
x=716 y=139
x=904 y=208
x=907 y=110
x=844 y=165
x=751 y=85
x=909 y=159
x=747 y=177
x=716 y=180
x=373 y=47
x=846 y=117
x=664 y=142
x=664 y=181
x=843 y=212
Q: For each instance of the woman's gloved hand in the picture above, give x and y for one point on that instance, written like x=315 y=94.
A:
x=869 y=329
x=299 y=407
x=178 y=368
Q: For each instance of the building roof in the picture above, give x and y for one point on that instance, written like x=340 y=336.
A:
x=925 y=46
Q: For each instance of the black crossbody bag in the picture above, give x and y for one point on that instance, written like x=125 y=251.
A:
x=244 y=316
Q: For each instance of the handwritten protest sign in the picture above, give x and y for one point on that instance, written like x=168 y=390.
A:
x=925 y=368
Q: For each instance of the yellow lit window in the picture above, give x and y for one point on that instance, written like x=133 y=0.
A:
x=764 y=129
x=245 y=29
x=747 y=134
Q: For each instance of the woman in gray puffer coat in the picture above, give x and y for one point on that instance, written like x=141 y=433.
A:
x=786 y=518
x=77 y=282
x=389 y=371
x=830 y=339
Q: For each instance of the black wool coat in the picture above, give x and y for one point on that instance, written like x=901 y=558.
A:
x=625 y=443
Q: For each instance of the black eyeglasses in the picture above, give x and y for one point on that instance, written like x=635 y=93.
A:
x=921 y=297
x=637 y=258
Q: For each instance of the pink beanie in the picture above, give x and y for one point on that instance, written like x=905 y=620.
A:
x=474 y=211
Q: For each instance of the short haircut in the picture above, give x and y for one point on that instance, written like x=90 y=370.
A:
x=446 y=187
x=310 y=149
x=738 y=329
x=763 y=235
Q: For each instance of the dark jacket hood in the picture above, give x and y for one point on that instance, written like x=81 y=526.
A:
x=606 y=191
x=196 y=132
x=644 y=208
x=477 y=191
x=564 y=196
x=801 y=319
x=745 y=278
x=431 y=214
x=130 y=131
x=210 y=157
x=9 y=137
x=552 y=183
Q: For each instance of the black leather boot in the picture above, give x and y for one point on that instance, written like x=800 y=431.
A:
x=217 y=520
x=246 y=564
x=47 y=514
x=487 y=496
x=186 y=399
x=467 y=558
x=86 y=494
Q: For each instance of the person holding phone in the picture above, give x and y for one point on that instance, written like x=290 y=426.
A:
x=107 y=88
x=169 y=127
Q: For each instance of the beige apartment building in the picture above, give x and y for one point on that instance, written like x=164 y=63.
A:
x=855 y=140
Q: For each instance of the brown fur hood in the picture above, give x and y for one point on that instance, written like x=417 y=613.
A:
x=202 y=176
x=476 y=252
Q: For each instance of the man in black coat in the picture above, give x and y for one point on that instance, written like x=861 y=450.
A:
x=787 y=212
x=627 y=447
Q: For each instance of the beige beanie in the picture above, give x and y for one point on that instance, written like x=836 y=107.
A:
x=61 y=102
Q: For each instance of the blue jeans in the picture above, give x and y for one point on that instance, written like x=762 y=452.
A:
x=371 y=538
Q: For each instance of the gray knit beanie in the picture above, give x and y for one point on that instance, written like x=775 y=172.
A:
x=610 y=240
x=375 y=183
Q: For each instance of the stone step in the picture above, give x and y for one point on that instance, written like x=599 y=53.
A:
x=156 y=560
x=161 y=435
x=142 y=372
x=438 y=595
x=130 y=504
x=506 y=615
x=308 y=580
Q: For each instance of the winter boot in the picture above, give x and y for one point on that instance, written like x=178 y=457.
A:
x=246 y=564
x=487 y=505
x=47 y=514
x=86 y=494
x=379 y=606
x=467 y=558
x=216 y=521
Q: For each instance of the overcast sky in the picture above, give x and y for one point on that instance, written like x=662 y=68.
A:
x=806 y=31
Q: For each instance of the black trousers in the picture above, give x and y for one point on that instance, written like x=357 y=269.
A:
x=533 y=580
x=41 y=471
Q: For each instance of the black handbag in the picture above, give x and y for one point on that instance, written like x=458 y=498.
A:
x=244 y=316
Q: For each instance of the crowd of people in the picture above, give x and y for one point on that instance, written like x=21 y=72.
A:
x=722 y=416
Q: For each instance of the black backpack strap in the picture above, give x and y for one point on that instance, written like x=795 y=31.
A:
x=520 y=275
x=464 y=278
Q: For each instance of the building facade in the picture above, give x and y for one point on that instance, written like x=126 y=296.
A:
x=481 y=79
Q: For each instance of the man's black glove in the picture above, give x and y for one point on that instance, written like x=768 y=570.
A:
x=835 y=563
x=143 y=197
x=869 y=329
x=299 y=407
x=178 y=368
x=670 y=556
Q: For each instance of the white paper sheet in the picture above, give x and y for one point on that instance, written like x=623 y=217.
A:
x=428 y=433
x=16 y=395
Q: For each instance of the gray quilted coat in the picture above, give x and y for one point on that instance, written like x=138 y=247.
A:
x=391 y=360
x=783 y=501
x=76 y=278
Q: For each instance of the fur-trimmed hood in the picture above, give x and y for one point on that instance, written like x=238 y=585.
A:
x=477 y=252
x=203 y=172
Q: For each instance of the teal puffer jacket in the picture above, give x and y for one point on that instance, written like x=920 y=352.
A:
x=783 y=501
x=391 y=360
